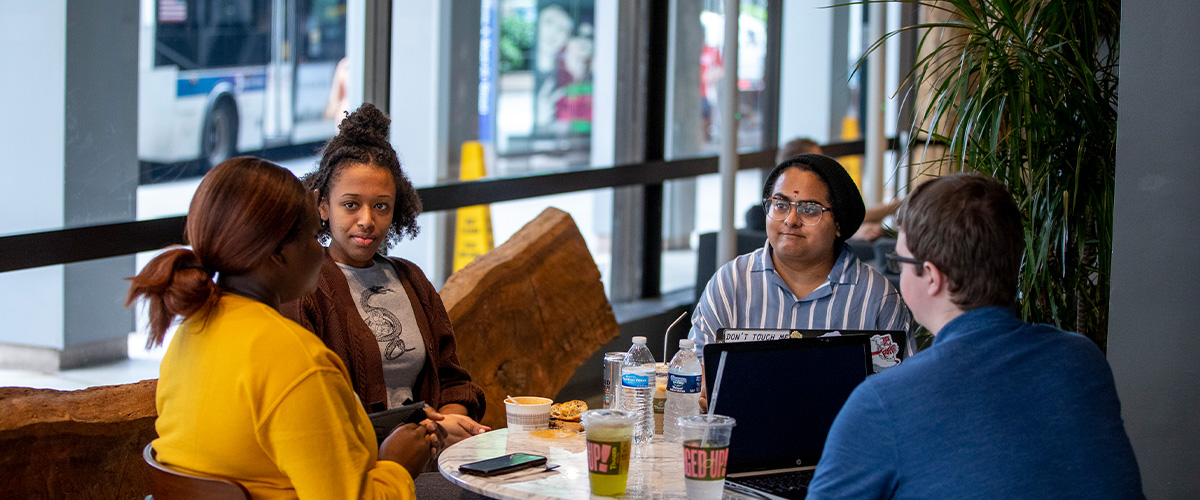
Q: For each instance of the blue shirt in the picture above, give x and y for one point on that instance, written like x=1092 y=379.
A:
x=747 y=293
x=996 y=408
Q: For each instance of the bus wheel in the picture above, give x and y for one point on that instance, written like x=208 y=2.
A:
x=219 y=142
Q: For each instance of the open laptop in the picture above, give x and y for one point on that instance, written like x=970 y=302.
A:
x=888 y=347
x=784 y=395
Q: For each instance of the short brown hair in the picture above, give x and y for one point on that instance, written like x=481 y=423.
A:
x=798 y=146
x=968 y=226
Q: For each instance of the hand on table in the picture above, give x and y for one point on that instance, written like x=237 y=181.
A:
x=455 y=427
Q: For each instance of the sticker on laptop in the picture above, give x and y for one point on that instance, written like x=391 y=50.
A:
x=885 y=353
x=732 y=335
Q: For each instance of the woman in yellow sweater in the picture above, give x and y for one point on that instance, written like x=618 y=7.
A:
x=245 y=393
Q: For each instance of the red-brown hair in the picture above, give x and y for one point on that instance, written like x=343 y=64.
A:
x=243 y=211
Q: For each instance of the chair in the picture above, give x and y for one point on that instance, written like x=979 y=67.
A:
x=168 y=484
x=883 y=246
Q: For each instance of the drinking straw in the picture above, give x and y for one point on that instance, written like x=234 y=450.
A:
x=667 y=336
x=712 y=405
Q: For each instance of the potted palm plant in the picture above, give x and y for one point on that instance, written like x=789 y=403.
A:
x=1026 y=91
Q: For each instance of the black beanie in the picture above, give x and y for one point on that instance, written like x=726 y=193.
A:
x=848 y=208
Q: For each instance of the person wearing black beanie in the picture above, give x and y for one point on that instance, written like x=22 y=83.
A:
x=805 y=276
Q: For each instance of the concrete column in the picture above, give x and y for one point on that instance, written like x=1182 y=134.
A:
x=1152 y=340
x=415 y=83
x=71 y=135
x=806 y=81
x=684 y=135
x=626 y=126
x=434 y=108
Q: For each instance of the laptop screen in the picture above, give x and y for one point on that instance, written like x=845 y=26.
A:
x=784 y=395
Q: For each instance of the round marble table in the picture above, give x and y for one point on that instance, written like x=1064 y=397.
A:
x=656 y=470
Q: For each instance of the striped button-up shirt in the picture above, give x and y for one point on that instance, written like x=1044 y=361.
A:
x=748 y=293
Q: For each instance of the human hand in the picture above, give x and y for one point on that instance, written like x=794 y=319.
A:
x=869 y=231
x=436 y=433
x=459 y=427
x=408 y=446
x=703 y=404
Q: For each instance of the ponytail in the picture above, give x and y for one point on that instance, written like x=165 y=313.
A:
x=174 y=283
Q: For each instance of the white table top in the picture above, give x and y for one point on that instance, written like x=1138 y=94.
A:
x=656 y=470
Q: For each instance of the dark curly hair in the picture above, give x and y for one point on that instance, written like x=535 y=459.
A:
x=363 y=139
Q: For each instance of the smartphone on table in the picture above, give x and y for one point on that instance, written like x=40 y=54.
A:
x=503 y=464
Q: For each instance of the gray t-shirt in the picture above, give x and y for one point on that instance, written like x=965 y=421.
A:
x=384 y=306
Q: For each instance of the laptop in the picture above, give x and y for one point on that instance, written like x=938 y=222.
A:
x=888 y=347
x=803 y=382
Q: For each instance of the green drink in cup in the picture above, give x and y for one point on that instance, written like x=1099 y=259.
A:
x=705 y=454
x=609 y=439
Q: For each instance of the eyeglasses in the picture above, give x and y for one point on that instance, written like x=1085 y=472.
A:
x=894 y=260
x=808 y=212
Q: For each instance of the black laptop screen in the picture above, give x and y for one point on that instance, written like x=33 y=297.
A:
x=784 y=395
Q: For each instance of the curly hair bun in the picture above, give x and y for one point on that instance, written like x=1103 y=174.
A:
x=366 y=125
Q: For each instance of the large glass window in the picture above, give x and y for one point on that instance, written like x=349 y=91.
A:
x=543 y=118
x=136 y=112
x=695 y=115
x=227 y=77
x=535 y=114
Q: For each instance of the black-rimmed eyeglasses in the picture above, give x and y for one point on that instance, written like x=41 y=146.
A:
x=894 y=260
x=807 y=212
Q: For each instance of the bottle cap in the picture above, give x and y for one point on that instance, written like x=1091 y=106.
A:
x=686 y=344
x=639 y=340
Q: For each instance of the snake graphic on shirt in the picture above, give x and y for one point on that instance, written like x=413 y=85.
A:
x=385 y=325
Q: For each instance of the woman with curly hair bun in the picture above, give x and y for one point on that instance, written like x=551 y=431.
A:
x=380 y=314
x=245 y=393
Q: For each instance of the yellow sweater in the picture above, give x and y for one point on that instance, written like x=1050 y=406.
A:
x=253 y=396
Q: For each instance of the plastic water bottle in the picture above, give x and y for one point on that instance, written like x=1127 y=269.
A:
x=683 y=390
x=637 y=389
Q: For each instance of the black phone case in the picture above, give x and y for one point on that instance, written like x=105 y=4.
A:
x=473 y=469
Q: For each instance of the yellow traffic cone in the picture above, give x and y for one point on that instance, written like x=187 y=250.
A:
x=852 y=164
x=473 y=227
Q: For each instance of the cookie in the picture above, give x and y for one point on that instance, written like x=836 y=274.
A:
x=569 y=411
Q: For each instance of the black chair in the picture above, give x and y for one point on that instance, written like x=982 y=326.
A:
x=170 y=484
x=748 y=240
x=884 y=246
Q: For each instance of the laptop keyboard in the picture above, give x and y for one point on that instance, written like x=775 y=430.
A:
x=785 y=484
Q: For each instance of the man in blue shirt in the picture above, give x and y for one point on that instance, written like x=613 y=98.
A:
x=996 y=408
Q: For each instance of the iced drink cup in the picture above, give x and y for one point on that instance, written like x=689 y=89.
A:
x=705 y=454
x=609 y=439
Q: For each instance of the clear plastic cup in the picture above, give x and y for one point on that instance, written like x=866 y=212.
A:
x=660 y=395
x=609 y=440
x=705 y=454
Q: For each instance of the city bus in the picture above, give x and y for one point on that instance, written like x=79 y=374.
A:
x=218 y=78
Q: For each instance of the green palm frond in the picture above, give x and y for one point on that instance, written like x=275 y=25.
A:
x=1026 y=91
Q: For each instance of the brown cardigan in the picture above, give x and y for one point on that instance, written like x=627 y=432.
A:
x=331 y=314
